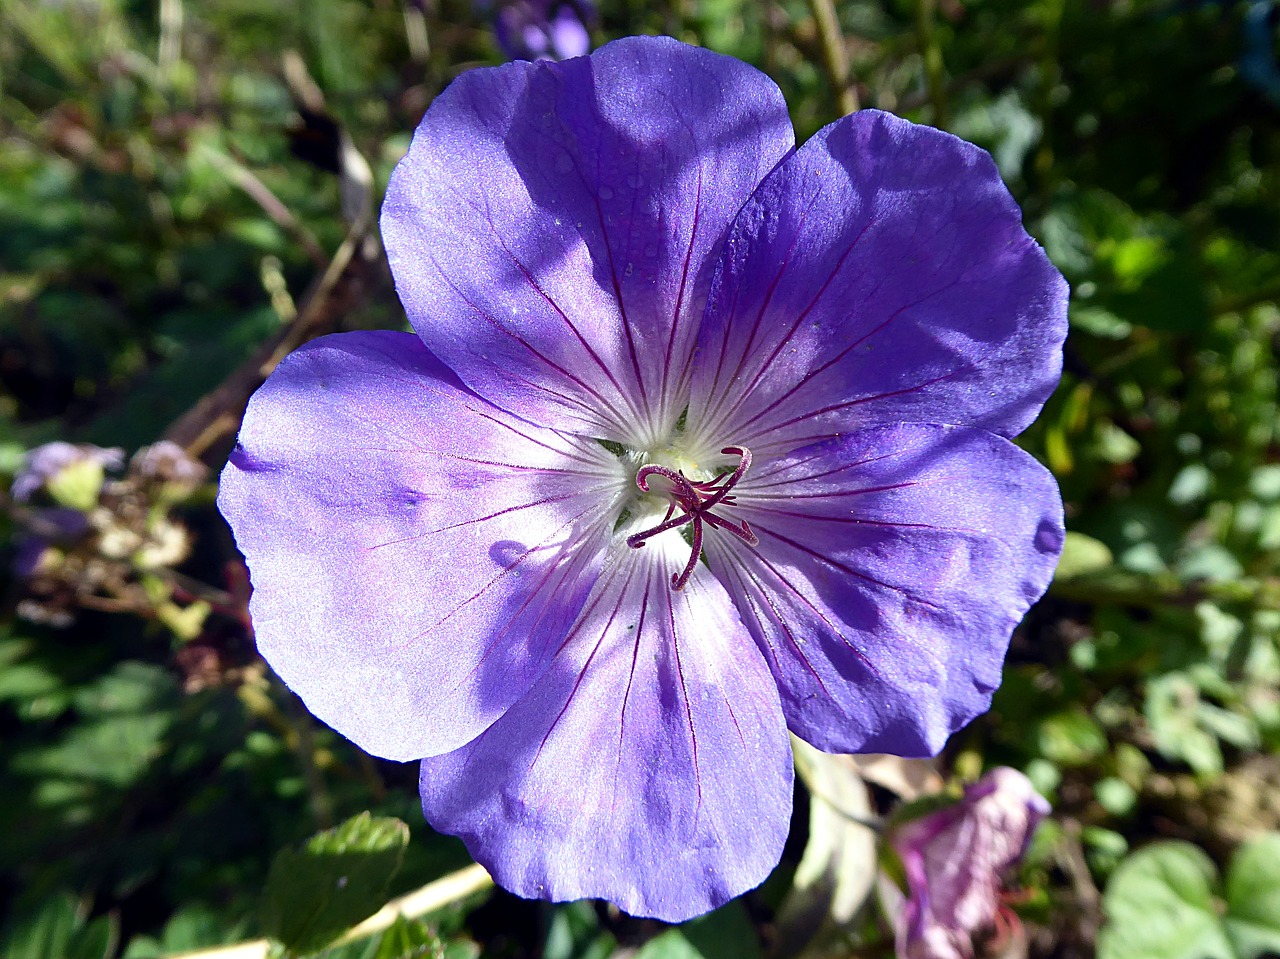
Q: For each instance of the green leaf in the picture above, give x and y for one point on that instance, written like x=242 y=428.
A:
x=43 y=934
x=56 y=929
x=403 y=939
x=125 y=716
x=1114 y=445
x=409 y=939
x=670 y=945
x=726 y=933
x=23 y=681
x=1082 y=554
x=337 y=879
x=192 y=927
x=1115 y=795
x=97 y=940
x=1253 y=897
x=1172 y=710
x=461 y=949
x=575 y=933
x=1100 y=322
x=1071 y=738
x=1160 y=905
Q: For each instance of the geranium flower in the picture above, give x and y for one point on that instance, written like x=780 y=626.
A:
x=701 y=438
x=954 y=859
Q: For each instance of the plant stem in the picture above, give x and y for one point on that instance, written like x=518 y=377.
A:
x=432 y=897
x=834 y=55
x=934 y=74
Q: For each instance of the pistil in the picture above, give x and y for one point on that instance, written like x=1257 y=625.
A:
x=695 y=500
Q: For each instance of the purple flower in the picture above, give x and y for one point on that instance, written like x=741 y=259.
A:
x=543 y=29
x=954 y=859
x=701 y=438
x=78 y=467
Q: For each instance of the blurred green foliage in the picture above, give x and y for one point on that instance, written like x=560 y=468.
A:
x=171 y=189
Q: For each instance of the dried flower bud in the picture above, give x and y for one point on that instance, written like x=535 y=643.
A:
x=954 y=859
x=166 y=544
x=169 y=468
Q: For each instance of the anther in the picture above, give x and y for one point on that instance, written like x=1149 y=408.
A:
x=692 y=502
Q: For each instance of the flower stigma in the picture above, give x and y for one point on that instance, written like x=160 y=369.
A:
x=695 y=500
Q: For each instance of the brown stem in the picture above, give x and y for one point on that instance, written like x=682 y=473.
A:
x=218 y=413
x=271 y=205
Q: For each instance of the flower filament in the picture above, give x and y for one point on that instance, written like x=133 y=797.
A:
x=695 y=501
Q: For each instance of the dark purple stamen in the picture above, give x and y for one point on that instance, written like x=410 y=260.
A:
x=695 y=501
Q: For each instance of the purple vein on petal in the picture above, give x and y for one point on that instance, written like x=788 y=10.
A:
x=799 y=594
x=833 y=494
x=622 y=310
x=795 y=388
x=507 y=570
x=622 y=313
x=717 y=413
x=724 y=347
x=727 y=701
x=728 y=704
x=738 y=589
x=684 y=693
x=757 y=589
x=562 y=565
x=626 y=696
x=476 y=519
x=810 y=414
x=573 y=692
x=758 y=322
x=763 y=368
x=537 y=354
x=843 y=567
x=572 y=452
x=782 y=466
x=602 y=591
x=668 y=390
x=862 y=521
x=532 y=281
x=498 y=464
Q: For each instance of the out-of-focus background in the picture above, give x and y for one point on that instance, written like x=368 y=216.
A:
x=189 y=190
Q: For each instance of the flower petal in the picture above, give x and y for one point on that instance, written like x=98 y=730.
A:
x=880 y=274
x=892 y=567
x=553 y=228
x=417 y=554
x=649 y=766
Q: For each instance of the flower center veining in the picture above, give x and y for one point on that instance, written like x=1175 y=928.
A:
x=694 y=501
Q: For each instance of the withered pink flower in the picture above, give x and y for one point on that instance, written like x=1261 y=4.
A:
x=954 y=859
